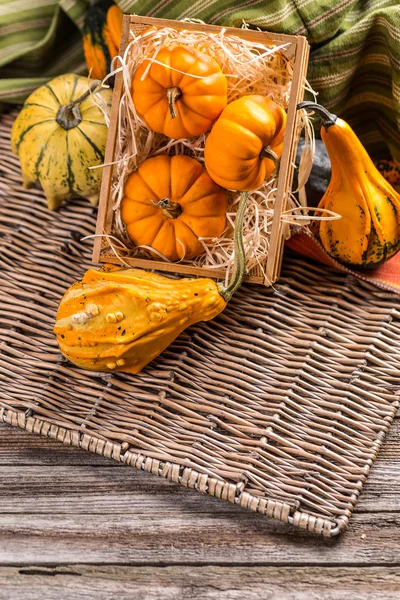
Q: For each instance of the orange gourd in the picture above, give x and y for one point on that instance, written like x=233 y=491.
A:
x=114 y=24
x=101 y=39
x=181 y=94
x=169 y=202
x=245 y=143
x=121 y=319
x=368 y=232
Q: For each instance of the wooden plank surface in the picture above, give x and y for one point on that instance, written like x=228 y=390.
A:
x=73 y=524
x=205 y=583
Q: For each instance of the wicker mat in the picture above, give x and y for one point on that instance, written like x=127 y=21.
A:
x=279 y=405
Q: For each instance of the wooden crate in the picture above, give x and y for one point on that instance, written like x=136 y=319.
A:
x=297 y=50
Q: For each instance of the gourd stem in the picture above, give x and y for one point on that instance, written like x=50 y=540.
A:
x=69 y=115
x=91 y=89
x=239 y=269
x=328 y=119
x=172 y=210
x=173 y=95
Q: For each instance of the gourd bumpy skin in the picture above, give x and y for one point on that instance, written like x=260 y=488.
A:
x=120 y=320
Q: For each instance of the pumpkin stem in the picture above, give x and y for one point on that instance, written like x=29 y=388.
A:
x=239 y=269
x=69 y=115
x=267 y=152
x=328 y=118
x=172 y=210
x=173 y=95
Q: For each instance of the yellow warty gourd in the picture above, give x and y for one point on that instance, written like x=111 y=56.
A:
x=368 y=232
x=121 y=319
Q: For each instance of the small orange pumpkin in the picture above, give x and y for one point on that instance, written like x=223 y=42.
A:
x=245 y=144
x=169 y=202
x=181 y=94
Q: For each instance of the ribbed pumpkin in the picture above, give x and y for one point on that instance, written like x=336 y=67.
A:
x=60 y=133
x=368 y=232
x=120 y=319
x=169 y=202
x=182 y=94
x=245 y=143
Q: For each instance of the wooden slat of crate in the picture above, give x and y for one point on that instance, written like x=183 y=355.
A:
x=298 y=51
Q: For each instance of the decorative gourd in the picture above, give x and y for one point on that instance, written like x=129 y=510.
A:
x=114 y=24
x=101 y=39
x=245 y=143
x=169 y=202
x=390 y=171
x=181 y=94
x=120 y=319
x=369 y=229
x=60 y=133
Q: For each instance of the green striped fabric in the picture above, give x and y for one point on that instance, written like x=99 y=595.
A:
x=354 y=63
x=39 y=39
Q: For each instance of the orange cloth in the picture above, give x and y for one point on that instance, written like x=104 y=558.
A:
x=386 y=276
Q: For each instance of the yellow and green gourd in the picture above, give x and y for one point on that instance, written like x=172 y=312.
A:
x=58 y=135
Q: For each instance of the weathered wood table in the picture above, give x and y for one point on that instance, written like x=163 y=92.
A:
x=75 y=525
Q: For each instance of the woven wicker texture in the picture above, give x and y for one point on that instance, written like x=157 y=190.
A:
x=279 y=405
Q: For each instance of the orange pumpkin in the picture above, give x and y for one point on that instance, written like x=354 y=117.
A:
x=182 y=94
x=245 y=144
x=169 y=202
